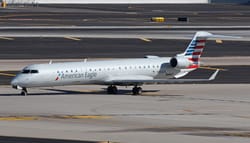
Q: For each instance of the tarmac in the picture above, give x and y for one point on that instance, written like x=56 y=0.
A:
x=176 y=113
x=132 y=14
x=80 y=48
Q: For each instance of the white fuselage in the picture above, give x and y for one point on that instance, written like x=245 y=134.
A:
x=94 y=72
x=125 y=72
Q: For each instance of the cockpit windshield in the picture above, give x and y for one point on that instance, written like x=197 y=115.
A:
x=28 y=71
x=25 y=71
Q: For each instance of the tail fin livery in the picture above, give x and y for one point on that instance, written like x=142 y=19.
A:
x=197 y=45
x=195 y=48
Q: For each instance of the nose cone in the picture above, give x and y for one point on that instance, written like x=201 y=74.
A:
x=14 y=82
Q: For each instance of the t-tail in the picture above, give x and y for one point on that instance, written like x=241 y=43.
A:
x=195 y=49
x=190 y=59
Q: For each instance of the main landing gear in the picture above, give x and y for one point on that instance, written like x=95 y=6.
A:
x=113 y=90
x=137 y=90
x=24 y=92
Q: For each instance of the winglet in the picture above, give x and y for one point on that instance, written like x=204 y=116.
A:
x=213 y=76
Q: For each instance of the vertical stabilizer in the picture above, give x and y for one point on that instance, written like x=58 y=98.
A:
x=195 y=48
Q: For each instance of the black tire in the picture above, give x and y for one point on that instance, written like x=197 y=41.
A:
x=137 y=91
x=24 y=93
x=112 y=90
x=109 y=90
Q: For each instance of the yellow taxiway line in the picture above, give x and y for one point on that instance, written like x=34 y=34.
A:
x=17 y=118
x=218 y=41
x=28 y=118
x=6 y=38
x=210 y=68
x=72 y=38
x=187 y=110
x=145 y=39
x=86 y=117
x=7 y=74
x=235 y=134
x=19 y=15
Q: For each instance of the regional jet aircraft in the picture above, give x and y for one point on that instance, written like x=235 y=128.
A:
x=113 y=73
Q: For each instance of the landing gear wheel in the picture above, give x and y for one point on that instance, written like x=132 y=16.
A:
x=24 y=92
x=137 y=90
x=112 y=90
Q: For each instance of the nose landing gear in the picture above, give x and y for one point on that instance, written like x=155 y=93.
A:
x=24 y=92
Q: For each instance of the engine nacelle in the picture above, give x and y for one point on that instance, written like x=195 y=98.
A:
x=180 y=62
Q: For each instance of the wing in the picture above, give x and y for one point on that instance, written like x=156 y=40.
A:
x=139 y=80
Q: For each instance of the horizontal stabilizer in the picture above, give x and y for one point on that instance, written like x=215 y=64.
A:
x=213 y=76
x=224 y=37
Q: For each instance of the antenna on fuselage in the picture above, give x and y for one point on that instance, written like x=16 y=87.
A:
x=50 y=62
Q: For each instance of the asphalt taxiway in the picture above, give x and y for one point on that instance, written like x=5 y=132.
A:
x=177 y=113
x=137 y=14
x=79 y=48
x=9 y=139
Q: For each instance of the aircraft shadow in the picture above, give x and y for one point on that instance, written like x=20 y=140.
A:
x=72 y=92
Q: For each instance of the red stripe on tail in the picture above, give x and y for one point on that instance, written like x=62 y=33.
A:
x=194 y=59
x=199 y=47
x=198 y=41
x=197 y=53
x=193 y=66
